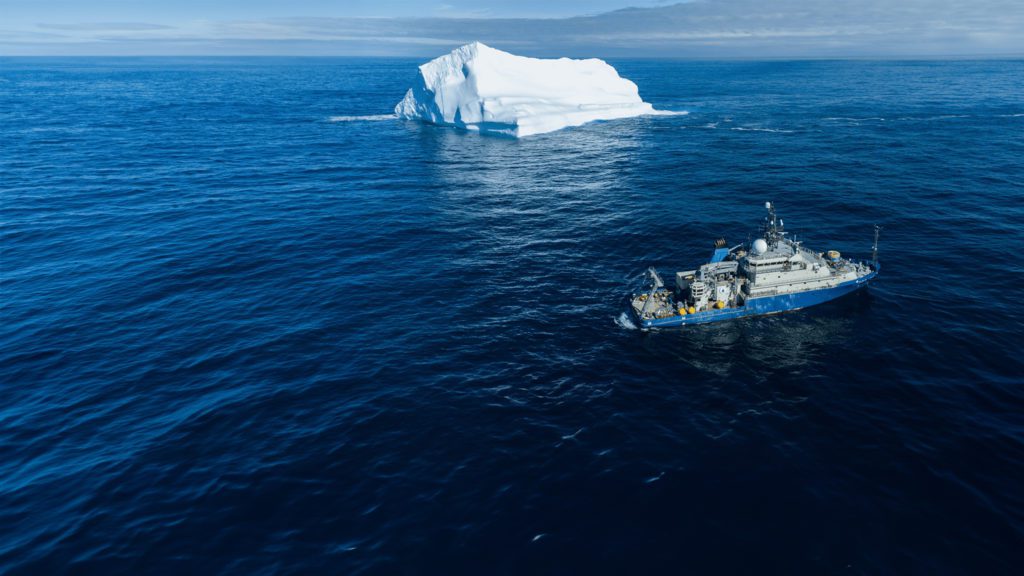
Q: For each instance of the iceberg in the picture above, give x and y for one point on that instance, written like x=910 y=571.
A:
x=480 y=88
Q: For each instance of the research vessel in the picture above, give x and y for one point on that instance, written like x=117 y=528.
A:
x=773 y=273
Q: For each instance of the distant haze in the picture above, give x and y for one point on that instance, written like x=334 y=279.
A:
x=696 y=29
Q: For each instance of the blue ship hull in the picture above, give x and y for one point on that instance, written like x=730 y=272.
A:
x=764 y=305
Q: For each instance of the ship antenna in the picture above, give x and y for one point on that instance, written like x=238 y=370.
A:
x=771 y=230
x=874 y=248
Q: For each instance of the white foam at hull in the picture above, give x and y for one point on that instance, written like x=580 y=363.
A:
x=367 y=118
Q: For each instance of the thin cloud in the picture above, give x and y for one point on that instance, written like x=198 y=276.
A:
x=105 y=26
x=705 y=28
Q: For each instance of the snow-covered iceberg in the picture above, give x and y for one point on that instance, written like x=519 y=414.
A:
x=477 y=87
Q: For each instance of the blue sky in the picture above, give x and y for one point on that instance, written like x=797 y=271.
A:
x=693 y=29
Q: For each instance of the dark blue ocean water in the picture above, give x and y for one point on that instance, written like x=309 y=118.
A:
x=246 y=329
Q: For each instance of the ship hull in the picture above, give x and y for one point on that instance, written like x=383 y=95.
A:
x=764 y=305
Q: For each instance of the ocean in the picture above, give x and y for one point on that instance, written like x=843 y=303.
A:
x=252 y=324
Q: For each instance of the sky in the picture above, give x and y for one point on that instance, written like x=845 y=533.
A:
x=655 y=28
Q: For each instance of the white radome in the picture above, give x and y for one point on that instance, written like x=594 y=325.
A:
x=479 y=88
x=760 y=246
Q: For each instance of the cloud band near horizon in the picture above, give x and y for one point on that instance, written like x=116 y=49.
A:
x=705 y=28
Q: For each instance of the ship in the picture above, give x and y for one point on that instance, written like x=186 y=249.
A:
x=773 y=273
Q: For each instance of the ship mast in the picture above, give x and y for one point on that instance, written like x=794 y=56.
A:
x=772 y=230
x=874 y=247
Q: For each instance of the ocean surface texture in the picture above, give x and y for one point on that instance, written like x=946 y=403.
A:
x=253 y=324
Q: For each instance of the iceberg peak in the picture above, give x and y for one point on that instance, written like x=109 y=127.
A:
x=476 y=87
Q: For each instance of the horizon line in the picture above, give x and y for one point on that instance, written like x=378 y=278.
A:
x=872 y=57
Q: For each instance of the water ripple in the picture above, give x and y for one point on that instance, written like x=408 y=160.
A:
x=240 y=338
